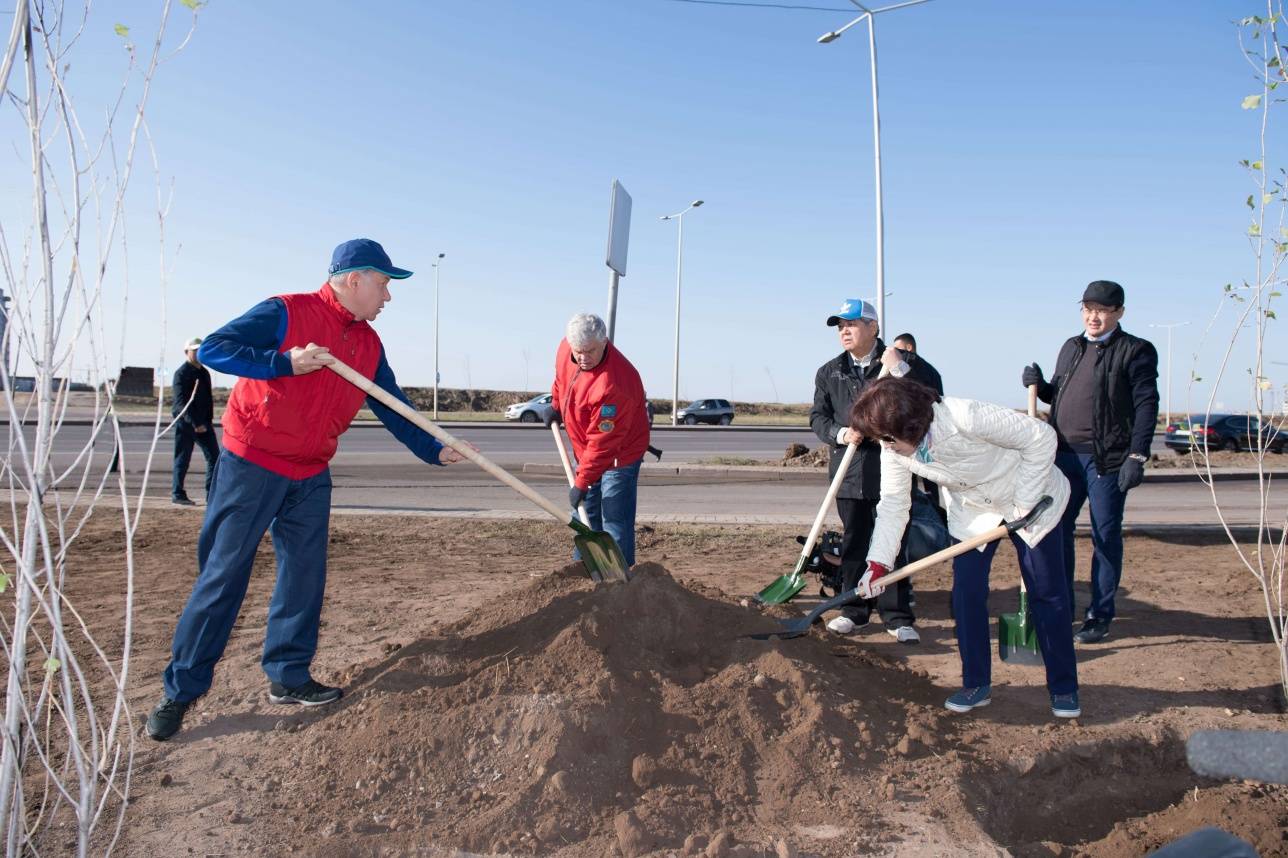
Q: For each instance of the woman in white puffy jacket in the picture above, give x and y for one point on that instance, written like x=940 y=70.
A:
x=991 y=463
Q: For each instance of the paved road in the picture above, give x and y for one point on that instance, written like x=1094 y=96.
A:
x=372 y=472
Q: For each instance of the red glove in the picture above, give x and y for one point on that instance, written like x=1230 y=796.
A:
x=868 y=587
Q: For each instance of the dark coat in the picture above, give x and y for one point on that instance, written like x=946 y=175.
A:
x=837 y=384
x=202 y=410
x=1125 y=401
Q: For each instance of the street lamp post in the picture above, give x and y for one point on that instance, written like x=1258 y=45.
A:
x=870 y=16
x=679 y=273
x=436 y=265
x=1169 y=327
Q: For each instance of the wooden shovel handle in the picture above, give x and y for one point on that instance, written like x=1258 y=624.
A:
x=376 y=392
x=940 y=556
x=567 y=466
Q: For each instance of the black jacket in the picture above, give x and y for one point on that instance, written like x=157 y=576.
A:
x=202 y=410
x=1125 y=401
x=837 y=384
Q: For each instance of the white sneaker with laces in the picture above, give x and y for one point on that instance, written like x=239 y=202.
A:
x=840 y=625
x=905 y=635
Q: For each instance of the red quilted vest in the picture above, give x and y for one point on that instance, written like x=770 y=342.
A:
x=291 y=425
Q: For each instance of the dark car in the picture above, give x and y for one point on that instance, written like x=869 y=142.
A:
x=717 y=411
x=1222 y=432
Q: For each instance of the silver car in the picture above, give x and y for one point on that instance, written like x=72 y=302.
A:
x=532 y=411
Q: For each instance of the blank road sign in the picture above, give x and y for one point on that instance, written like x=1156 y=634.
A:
x=619 y=228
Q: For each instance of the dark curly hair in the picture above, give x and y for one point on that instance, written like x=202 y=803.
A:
x=897 y=408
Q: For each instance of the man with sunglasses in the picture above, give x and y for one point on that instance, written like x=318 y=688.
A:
x=837 y=384
x=1104 y=404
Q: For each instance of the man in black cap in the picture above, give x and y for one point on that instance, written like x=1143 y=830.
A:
x=1104 y=403
x=194 y=411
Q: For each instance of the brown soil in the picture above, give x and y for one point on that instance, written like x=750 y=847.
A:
x=498 y=702
x=1218 y=459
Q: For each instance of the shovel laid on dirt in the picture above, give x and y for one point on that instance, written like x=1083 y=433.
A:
x=1017 y=636
x=785 y=587
x=796 y=628
x=599 y=551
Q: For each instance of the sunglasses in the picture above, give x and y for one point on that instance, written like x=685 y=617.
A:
x=888 y=439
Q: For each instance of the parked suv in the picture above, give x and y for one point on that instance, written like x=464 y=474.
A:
x=532 y=411
x=717 y=411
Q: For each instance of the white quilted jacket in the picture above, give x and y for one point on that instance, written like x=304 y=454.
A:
x=991 y=463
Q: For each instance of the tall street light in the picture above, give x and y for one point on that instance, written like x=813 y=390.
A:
x=435 y=266
x=869 y=15
x=1169 y=327
x=679 y=272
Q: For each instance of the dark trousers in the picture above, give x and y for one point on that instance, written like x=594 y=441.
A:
x=185 y=435
x=245 y=501
x=1043 y=569
x=857 y=519
x=1101 y=492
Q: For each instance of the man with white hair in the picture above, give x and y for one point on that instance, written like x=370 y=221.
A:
x=194 y=411
x=599 y=398
x=281 y=428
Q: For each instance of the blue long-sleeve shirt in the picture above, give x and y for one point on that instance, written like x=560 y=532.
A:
x=249 y=346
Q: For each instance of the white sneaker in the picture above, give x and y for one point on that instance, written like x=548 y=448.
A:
x=905 y=635
x=840 y=625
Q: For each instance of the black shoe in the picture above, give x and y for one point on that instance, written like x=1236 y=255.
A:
x=311 y=693
x=182 y=500
x=166 y=719
x=1092 y=631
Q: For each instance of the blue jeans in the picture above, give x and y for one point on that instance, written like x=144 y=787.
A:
x=245 y=500
x=1107 y=503
x=1043 y=569
x=610 y=506
x=185 y=435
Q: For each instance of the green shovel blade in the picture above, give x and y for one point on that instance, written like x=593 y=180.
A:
x=1017 y=637
x=600 y=552
x=784 y=587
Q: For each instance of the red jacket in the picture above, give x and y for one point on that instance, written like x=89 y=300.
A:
x=290 y=425
x=603 y=411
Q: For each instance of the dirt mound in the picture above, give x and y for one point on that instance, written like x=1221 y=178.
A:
x=800 y=456
x=564 y=719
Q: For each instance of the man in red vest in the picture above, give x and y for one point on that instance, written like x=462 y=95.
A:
x=280 y=431
x=598 y=396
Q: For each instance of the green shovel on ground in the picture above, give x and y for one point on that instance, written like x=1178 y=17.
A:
x=1017 y=637
x=599 y=551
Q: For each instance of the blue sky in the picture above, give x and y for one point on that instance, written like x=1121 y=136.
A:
x=1028 y=149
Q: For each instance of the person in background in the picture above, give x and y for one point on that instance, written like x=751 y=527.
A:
x=599 y=398
x=993 y=463
x=907 y=344
x=193 y=408
x=1104 y=404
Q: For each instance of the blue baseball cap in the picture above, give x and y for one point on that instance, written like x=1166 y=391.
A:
x=363 y=253
x=851 y=309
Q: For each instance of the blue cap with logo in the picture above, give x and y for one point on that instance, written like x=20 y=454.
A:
x=363 y=253
x=851 y=309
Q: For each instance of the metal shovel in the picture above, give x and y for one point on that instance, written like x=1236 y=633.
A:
x=599 y=551
x=581 y=507
x=1017 y=636
x=796 y=628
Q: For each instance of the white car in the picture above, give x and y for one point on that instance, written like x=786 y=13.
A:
x=532 y=411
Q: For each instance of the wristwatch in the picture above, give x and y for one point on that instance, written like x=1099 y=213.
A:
x=1138 y=457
